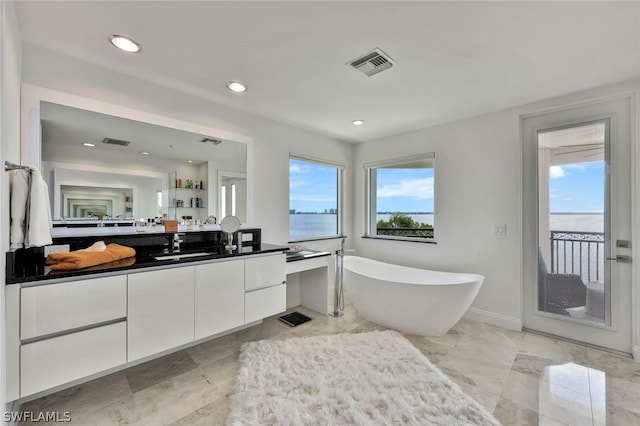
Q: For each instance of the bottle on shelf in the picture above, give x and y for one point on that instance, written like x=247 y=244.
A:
x=179 y=183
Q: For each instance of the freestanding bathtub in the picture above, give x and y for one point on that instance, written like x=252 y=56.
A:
x=410 y=300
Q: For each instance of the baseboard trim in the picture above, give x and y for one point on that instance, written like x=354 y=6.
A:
x=11 y=407
x=500 y=320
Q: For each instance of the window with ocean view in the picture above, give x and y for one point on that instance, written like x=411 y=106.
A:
x=314 y=199
x=400 y=198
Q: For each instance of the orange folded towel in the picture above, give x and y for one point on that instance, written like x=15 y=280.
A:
x=67 y=261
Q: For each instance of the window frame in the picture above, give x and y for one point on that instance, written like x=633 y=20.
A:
x=370 y=188
x=340 y=168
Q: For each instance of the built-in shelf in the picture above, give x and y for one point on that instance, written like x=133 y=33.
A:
x=183 y=193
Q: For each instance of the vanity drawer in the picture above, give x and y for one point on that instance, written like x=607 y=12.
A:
x=52 y=362
x=259 y=304
x=264 y=271
x=54 y=308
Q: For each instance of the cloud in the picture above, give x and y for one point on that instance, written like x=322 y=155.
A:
x=556 y=172
x=296 y=168
x=415 y=188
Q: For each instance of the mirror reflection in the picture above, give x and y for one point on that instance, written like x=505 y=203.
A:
x=97 y=165
x=78 y=202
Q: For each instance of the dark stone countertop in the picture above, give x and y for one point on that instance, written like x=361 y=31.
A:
x=29 y=266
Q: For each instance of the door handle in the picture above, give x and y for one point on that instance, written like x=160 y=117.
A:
x=622 y=258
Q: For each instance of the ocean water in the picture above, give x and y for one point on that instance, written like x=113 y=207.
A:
x=586 y=222
x=312 y=225
x=306 y=225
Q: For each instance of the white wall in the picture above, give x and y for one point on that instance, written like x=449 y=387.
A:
x=477 y=185
x=271 y=145
x=10 y=71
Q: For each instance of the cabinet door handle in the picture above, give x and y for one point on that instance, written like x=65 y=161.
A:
x=622 y=258
x=266 y=286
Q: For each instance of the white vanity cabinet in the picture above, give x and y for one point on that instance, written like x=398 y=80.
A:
x=219 y=297
x=51 y=362
x=71 y=330
x=49 y=309
x=66 y=331
x=265 y=286
x=161 y=311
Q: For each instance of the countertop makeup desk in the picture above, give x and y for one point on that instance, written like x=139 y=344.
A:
x=308 y=279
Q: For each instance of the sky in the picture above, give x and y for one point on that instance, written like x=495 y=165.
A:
x=577 y=188
x=573 y=188
x=313 y=188
x=405 y=190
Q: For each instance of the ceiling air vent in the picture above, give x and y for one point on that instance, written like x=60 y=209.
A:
x=372 y=63
x=213 y=141
x=115 y=142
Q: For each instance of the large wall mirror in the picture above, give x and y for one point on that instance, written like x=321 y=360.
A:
x=101 y=164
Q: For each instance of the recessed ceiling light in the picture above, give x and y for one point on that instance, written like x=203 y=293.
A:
x=357 y=122
x=145 y=153
x=236 y=86
x=190 y=161
x=125 y=43
x=89 y=144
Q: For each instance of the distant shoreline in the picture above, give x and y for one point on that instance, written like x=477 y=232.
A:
x=427 y=213
x=582 y=213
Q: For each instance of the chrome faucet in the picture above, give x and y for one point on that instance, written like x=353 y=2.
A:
x=176 y=242
x=338 y=297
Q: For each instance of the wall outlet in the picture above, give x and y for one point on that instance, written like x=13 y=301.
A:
x=500 y=230
x=56 y=248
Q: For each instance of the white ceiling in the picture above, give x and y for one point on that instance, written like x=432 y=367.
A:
x=454 y=59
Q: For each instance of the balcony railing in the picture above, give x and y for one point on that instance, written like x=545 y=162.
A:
x=580 y=253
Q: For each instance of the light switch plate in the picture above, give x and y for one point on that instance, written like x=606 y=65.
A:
x=500 y=230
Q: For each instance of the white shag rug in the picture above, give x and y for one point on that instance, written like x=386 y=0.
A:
x=375 y=378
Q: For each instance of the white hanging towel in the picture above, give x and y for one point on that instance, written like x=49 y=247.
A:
x=30 y=210
x=19 y=202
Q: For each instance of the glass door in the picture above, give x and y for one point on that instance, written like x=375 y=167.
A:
x=573 y=193
x=577 y=224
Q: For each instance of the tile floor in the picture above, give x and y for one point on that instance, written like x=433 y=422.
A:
x=523 y=378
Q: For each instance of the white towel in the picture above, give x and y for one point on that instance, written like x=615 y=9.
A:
x=30 y=210
x=97 y=246
x=19 y=201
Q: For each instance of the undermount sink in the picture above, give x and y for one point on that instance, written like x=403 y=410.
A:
x=178 y=256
